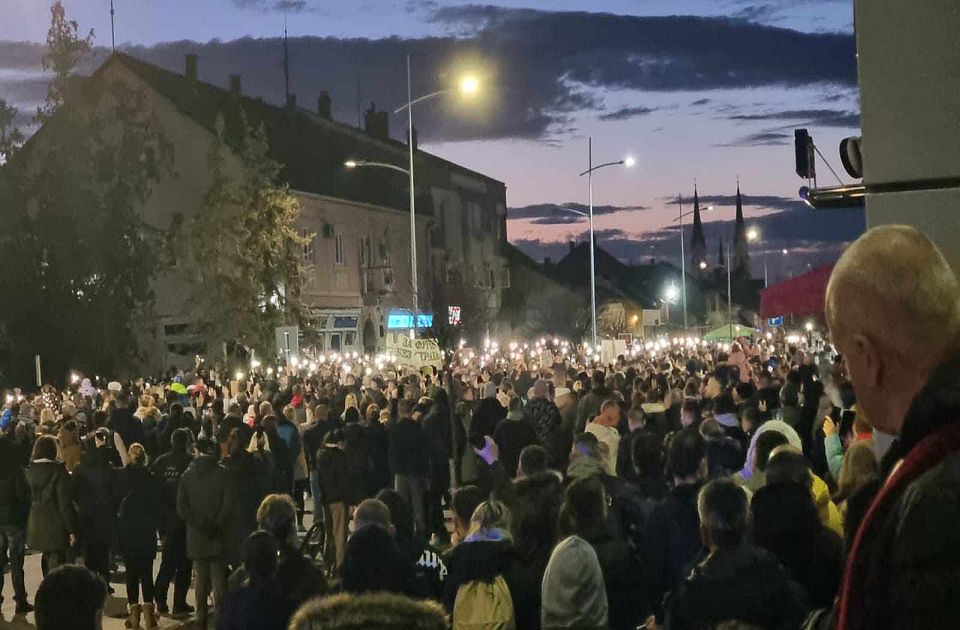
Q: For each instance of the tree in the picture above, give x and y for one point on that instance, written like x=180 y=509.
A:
x=474 y=313
x=10 y=136
x=78 y=259
x=65 y=49
x=242 y=245
x=555 y=310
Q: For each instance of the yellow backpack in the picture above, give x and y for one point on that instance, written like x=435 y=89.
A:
x=484 y=606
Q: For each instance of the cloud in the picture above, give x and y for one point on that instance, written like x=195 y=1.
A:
x=543 y=67
x=811 y=237
x=699 y=102
x=813 y=117
x=293 y=6
x=761 y=139
x=555 y=211
x=626 y=113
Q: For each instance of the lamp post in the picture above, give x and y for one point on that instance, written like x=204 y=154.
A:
x=627 y=162
x=468 y=85
x=683 y=256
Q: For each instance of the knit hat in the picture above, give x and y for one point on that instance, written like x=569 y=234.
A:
x=114 y=386
x=573 y=590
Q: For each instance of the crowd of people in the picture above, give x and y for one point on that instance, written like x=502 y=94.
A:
x=751 y=484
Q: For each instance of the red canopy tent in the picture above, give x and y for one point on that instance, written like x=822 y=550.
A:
x=802 y=296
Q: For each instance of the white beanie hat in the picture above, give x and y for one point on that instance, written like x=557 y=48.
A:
x=573 y=594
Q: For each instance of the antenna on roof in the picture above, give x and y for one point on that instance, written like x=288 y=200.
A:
x=286 y=56
x=113 y=36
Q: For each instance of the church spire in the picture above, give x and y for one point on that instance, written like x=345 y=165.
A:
x=698 y=244
x=741 y=257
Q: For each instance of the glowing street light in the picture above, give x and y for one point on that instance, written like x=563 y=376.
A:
x=469 y=85
x=752 y=234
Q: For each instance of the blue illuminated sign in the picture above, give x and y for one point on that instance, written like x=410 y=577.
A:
x=403 y=320
x=776 y=321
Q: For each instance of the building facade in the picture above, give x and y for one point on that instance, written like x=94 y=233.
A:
x=357 y=282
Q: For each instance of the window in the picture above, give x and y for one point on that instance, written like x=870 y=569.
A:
x=335 y=342
x=505 y=278
x=387 y=275
x=366 y=251
x=308 y=246
x=349 y=339
x=366 y=280
x=339 y=249
x=491 y=279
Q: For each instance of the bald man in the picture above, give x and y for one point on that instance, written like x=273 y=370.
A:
x=893 y=306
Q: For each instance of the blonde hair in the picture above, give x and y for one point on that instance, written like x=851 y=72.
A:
x=147 y=401
x=47 y=416
x=289 y=412
x=490 y=516
x=858 y=469
x=138 y=455
x=351 y=401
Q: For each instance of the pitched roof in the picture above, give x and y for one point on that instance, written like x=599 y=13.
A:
x=310 y=148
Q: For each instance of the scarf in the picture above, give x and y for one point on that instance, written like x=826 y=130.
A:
x=929 y=452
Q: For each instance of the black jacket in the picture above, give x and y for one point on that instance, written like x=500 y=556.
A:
x=408 y=452
x=140 y=513
x=14 y=492
x=742 y=583
x=373 y=562
x=622 y=578
x=672 y=541
x=512 y=436
x=96 y=493
x=334 y=475
x=356 y=452
x=122 y=421
x=488 y=415
x=548 y=424
x=377 y=475
x=168 y=468
x=254 y=606
x=250 y=478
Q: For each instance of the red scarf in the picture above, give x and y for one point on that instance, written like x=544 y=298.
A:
x=929 y=452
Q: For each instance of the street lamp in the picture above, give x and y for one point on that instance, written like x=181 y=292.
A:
x=683 y=255
x=626 y=162
x=467 y=86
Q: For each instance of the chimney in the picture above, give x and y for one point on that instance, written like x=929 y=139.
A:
x=192 y=61
x=415 y=144
x=377 y=124
x=235 y=88
x=324 y=105
x=292 y=102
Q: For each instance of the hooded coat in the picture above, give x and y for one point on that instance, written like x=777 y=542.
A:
x=573 y=593
x=513 y=435
x=140 y=513
x=485 y=560
x=205 y=503
x=52 y=518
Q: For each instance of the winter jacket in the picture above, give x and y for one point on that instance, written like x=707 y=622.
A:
x=902 y=568
x=373 y=562
x=485 y=560
x=129 y=427
x=786 y=524
x=205 y=503
x=610 y=437
x=548 y=424
x=254 y=606
x=96 y=494
x=488 y=415
x=513 y=435
x=14 y=492
x=407 y=451
x=826 y=508
x=332 y=467
x=573 y=592
x=356 y=453
x=622 y=579
x=169 y=468
x=52 y=517
x=589 y=407
x=140 y=513
x=834 y=448
x=742 y=583
x=291 y=436
x=672 y=541
x=377 y=473
x=250 y=481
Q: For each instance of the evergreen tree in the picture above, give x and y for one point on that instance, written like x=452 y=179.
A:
x=242 y=245
x=10 y=136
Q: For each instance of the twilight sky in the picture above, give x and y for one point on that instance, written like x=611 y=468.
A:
x=693 y=89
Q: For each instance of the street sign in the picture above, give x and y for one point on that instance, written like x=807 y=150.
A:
x=776 y=321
